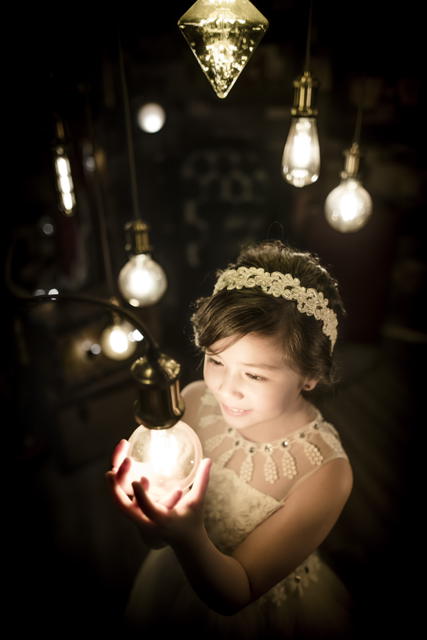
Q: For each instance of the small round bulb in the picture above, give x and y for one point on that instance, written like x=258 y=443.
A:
x=167 y=457
x=151 y=117
x=142 y=281
x=116 y=341
x=348 y=206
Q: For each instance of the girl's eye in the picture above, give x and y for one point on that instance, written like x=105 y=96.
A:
x=214 y=362
x=252 y=376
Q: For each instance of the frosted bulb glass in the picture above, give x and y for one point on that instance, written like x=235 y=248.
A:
x=117 y=342
x=142 y=281
x=301 y=155
x=348 y=206
x=151 y=117
x=167 y=457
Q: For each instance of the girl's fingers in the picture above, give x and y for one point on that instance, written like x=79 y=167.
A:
x=144 y=502
x=118 y=494
x=119 y=453
x=123 y=470
x=171 y=500
x=201 y=480
x=126 y=504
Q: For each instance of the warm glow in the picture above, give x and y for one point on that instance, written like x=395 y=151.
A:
x=151 y=117
x=142 y=281
x=116 y=343
x=167 y=457
x=301 y=155
x=223 y=35
x=348 y=206
x=64 y=182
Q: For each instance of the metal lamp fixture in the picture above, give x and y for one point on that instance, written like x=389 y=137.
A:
x=163 y=448
x=349 y=206
x=142 y=281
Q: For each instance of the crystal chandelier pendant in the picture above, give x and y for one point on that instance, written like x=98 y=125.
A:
x=223 y=34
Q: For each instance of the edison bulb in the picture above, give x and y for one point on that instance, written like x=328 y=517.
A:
x=117 y=341
x=64 y=181
x=348 y=206
x=142 y=281
x=167 y=457
x=301 y=155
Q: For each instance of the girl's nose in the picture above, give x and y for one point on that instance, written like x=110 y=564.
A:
x=229 y=387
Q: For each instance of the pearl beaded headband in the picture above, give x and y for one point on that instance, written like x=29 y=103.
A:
x=284 y=285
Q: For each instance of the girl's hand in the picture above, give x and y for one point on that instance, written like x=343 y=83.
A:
x=125 y=474
x=175 y=517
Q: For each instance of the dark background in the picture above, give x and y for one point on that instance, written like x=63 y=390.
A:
x=208 y=182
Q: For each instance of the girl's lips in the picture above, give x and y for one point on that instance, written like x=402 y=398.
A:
x=235 y=413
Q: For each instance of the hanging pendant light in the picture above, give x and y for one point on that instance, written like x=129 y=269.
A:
x=301 y=154
x=142 y=282
x=223 y=35
x=349 y=206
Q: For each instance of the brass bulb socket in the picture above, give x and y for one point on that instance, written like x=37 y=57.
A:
x=352 y=159
x=159 y=404
x=305 y=96
x=137 y=237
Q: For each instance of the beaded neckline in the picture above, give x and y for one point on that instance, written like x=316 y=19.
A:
x=285 y=463
x=288 y=437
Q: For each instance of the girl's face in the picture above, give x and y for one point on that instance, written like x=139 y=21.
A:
x=252 y=382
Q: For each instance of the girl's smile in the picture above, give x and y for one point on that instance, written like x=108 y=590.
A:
x=254 y=386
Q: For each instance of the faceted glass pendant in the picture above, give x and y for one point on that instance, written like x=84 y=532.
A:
x=223 y=34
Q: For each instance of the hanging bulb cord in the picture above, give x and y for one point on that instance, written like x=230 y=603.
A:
x=106 y=254
x=130 y=147
x=358 y=126
x=308 y=41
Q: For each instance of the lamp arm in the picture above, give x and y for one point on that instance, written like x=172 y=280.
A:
x=159 y=404
x=152 y=348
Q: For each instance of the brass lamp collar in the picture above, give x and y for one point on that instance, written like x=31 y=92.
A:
x=352 y=158
x=305 y=95
x=137 y=238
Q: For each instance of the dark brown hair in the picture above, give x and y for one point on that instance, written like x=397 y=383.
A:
x=238 y=312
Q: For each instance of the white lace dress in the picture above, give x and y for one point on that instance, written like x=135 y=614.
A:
x=249 y=481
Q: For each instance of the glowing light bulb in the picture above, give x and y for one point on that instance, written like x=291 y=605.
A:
x=151 y=117
x=223 y=35
x=117 y=342
x=348 y=206
x=167 y=457
x=142 y=281
x=301 y=155
x=64 y=181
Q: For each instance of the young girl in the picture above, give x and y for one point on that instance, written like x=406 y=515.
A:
x=236 y=555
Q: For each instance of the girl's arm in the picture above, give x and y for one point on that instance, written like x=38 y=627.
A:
x=273 y=550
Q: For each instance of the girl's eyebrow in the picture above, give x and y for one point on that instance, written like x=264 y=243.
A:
x=256 y=365
x=261 y=365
